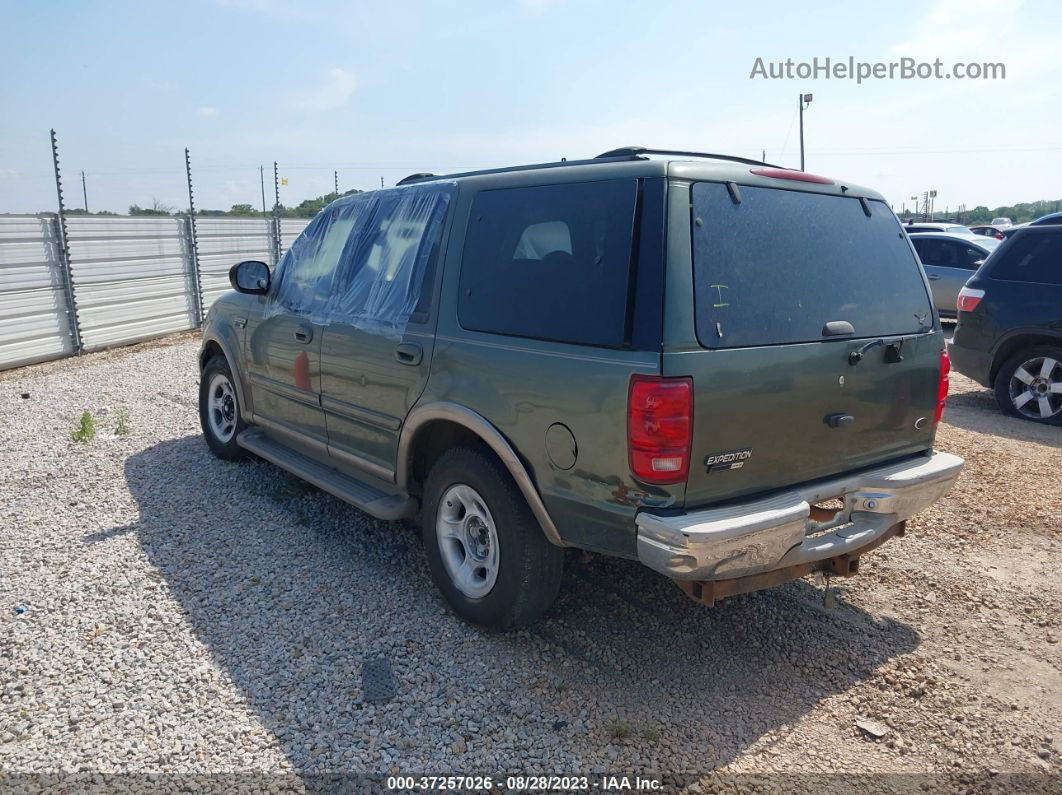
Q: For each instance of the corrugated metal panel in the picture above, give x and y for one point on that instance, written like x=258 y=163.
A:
x=132 y=278
x=34 y=318
x=291 y=228
x=222 y=242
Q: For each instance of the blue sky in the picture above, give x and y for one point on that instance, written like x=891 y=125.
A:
x=385 y=89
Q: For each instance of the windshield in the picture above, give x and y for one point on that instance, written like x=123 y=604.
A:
x=779 y=265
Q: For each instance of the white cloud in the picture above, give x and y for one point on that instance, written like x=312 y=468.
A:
x=206 y=111
x=333 y=93
x=958 y=28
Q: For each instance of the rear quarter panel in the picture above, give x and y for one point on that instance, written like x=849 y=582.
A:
x=525 y=386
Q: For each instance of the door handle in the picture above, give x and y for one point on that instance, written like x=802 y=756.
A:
x=839 y=420
x=933 y=277
x=410 y=354
x=303 y=334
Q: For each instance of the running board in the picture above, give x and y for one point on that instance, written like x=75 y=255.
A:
x=366 y=496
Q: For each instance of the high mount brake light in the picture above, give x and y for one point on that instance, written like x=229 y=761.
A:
x=660 y=428
x=784 y=173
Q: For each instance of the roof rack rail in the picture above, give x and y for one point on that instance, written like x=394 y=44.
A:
x=507 y=169
x=637 y=151
x=415 y=177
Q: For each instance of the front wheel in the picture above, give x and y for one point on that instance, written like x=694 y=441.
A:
x=1029 y=385
x=485 y=549
x=219 y=410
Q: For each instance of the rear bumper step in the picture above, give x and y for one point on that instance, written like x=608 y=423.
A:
x=366 y=496
x=770 y=534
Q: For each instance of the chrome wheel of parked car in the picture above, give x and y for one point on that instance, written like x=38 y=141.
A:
x=468 y=541
x=223 y=411
x=1036 y=388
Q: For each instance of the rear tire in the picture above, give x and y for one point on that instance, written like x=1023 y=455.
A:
x=219 y=410
x=485 y=549
x=1026 y=383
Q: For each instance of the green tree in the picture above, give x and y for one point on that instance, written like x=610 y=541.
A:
x=156 y=208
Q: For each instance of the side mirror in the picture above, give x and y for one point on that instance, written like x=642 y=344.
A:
x=250 y=276
x=978 y=263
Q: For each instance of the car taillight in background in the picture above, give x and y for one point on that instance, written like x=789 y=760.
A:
x=969 y=299
x=942 y=385
x=660 y=428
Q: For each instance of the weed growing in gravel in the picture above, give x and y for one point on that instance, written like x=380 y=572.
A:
x=86 y=428
x=651 y=734
x=121 y=422
x=618 y=729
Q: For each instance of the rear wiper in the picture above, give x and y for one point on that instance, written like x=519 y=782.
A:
x=893 y=351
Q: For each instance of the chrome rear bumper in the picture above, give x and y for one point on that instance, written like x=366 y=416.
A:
x=773 y=533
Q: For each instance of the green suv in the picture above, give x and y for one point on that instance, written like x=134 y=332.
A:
x=729 y=371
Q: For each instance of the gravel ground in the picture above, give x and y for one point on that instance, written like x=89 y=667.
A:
x=162 y=611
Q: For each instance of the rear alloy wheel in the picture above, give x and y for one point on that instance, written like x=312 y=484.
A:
x=468 y=541
x=1029 y=385
x=486 y=551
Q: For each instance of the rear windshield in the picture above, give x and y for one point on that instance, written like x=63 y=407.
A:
x=781 y=264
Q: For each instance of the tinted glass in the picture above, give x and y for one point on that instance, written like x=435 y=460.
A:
x=550 y=262
x=947 y=253
x=1030 y=258
x=781 y=264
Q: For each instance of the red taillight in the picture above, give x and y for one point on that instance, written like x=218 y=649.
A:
x=660 y=428
x=785 y=173
x=942 y=385
x=968 y=299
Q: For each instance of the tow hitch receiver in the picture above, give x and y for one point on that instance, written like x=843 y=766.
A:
x=708 y=591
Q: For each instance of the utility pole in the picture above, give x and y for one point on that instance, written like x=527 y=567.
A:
x=84 y=192
x=261 y=177
x=381 y=182
x=336 y=175
x=805 y=100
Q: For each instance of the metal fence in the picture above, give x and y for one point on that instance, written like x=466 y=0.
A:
x=122 y=279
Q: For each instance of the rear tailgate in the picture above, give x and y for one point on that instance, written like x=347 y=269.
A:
x=776 y=400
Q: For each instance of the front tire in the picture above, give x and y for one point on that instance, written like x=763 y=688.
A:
x=1029 y=385
x=219 y=410
x=485 y=549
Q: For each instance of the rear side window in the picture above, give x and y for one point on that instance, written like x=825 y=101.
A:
x=550 y=262
x=779 y=265
x=948 y=253
x=1031 y=258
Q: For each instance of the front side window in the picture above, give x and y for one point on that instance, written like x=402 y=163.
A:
x=550 y=262
x=390 y=253
x=306 y=273
x=779 y=265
